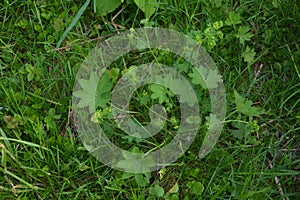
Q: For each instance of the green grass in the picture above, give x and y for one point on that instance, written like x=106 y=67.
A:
x=42 y=156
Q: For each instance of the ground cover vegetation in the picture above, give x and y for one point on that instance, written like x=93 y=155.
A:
x=255 y=45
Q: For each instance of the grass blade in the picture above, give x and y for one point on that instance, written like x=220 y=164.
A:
x=75 y=20
x=19 y=179
x=24 y=142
